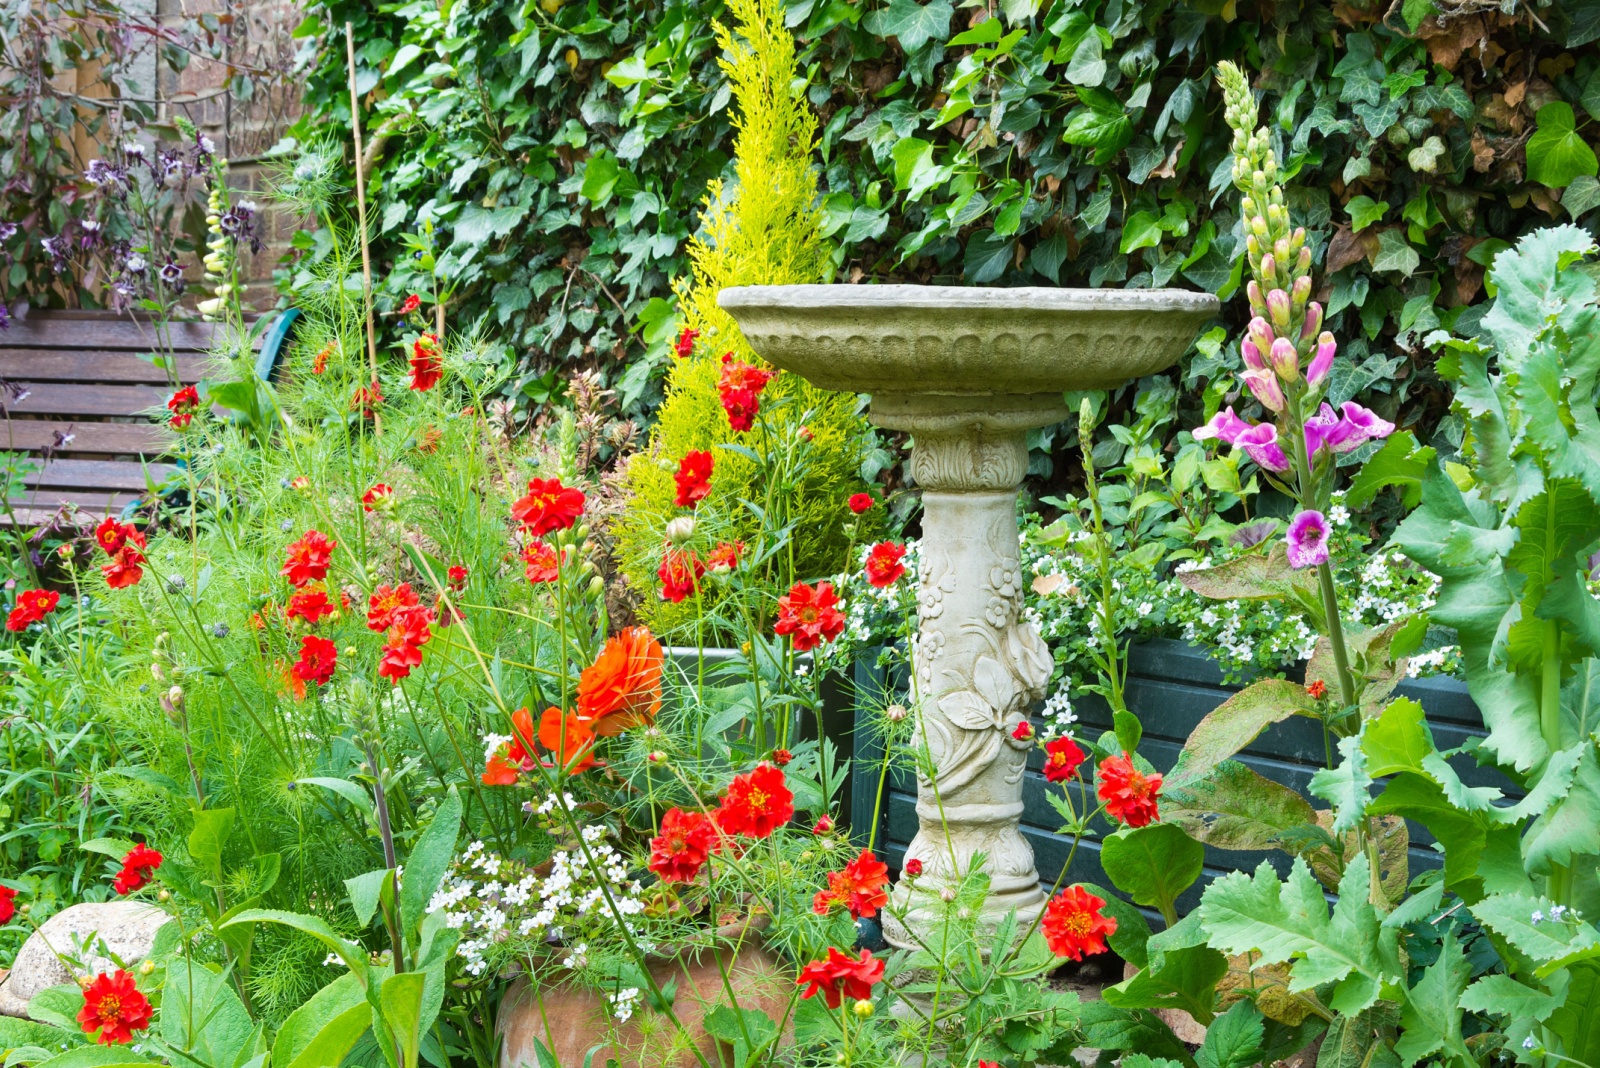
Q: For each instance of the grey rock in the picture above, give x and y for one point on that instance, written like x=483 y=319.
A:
x=128 y=929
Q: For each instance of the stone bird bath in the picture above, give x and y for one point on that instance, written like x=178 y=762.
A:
x=968 y=372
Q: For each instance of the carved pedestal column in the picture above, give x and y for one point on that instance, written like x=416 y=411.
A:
x=979 y=667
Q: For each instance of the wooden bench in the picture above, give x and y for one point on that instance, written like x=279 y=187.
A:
x=78 y=392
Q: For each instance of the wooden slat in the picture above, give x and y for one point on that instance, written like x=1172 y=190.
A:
x=92 y=366
x=98 y=475
x=31 y=509
x=111 y=439
x=55 y=398
x=65 y=330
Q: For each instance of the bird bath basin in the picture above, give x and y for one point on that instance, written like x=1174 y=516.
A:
x=968 y=372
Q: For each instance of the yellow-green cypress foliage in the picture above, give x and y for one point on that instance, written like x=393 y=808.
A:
x=767 y=231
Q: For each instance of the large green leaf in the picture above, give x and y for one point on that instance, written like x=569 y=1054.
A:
x=1107 y=1027
x=335 y=1039
x=352 y=955
x=401 y=998
x=1235 y=807
x=1290 y=921
x=1401 y=463
x=748 y=1031
x=303 y=1026
x=1577 y=1022
x=212 y=826
x=1153 y=864
x=201 y=1015
x=1182 y=973
x=428 y=861
x=1237 y=722
x=1234 y=1039
x=1500 y=995
x=96 y=1057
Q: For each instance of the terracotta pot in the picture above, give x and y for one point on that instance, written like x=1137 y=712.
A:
x=571 y=1020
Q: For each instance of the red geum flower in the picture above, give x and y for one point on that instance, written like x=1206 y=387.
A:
x=860 y=502
x=684 y=346
x=1074 y=925
x=379 y=498
x=311 y=605
x=138 y=865
x=684 y=845
x=757 y=803
x=426 y=367
x=567 y=738
x=548 y=506
x=125 y=567
x=318 y=658
x=680 y=572
x=543 y=564
x=183 y=405
x=693 y=478
x=8 y=904
x=808 y=614
x=861 y=888
x=884 y=568
x=1128 y=793
x=740 y=389
x=366 y=400
x=111 y=535
x=841 y=976
x=410 y=304
x=113 y=1006
x=385 y=605
x=1318 y=689
x=1023 y=731
x=725 y=557
x=913 y=868
x=32 y=606
x=307 y=559
x=319 y=362
x=1061 y=759
x=403 y=649
x=457 y=576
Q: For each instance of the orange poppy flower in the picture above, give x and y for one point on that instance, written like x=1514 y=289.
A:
x=622 y=688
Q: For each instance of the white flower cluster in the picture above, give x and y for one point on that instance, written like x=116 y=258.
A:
x=623 y=1003
x=504 y=909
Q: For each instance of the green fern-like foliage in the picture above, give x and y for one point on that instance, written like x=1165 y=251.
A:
x=767 y=231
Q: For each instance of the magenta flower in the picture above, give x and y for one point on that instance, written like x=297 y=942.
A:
x=1261 y=443
x=1308 y=539
x=1224 y=426
x=1322 y=362
x=1364 y=424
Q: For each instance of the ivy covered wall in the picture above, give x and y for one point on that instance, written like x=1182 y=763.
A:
x=562 y=148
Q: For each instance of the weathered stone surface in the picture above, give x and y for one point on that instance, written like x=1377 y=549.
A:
x=572 y=1020
x=968 y=372
x=128 y=929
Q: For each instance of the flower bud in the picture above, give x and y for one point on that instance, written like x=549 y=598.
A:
x=1260 y=334
x=1264 y=384
x=913 y=868
x=896 y=713
x=1247 y=205
x=947 y=895
x=1280 y=249
x=147 y=967
x=1278 y=309
x=1300 y=292
x=1303 y=264
x=824 y=825
x=175 y=695
x=1313 y=321
x=1285 y=360
x=1258 y=304
x=681 y=529
x=1252 y=247
x=805 y=434
x=1269 y=268
x=1322 y=362
x=862 y=1008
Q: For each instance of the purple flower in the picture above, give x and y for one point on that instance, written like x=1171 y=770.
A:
x=1224 y=426
x=7 y=231
x=1261 y=443
x=1322 y=362
x=1308 y=539
x=171 y=275
x=5 y=317
x=1363 y=425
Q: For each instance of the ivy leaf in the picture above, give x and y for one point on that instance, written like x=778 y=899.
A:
x=914 y=168
x=988 y=255
x=914 y=24
x=1396 y=254
x=1364 y=211
x=1582 y=194
x=1104 y=130
x=1556 y=154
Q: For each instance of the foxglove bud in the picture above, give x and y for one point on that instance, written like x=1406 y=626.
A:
x=1261 y=336
x=1258 y=304
x=1313 y=322
x=1264 y=384
x=1322 y=362
x=1252 y=245
x=1270 y=169
x=1301 y=291
x=1278 y=308
x=1281 y=250
x=1297 y=240
x=1258 y=226
x=1303 y=264
x=1269 y=268
x=1285 y=360
x=1247 y=206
